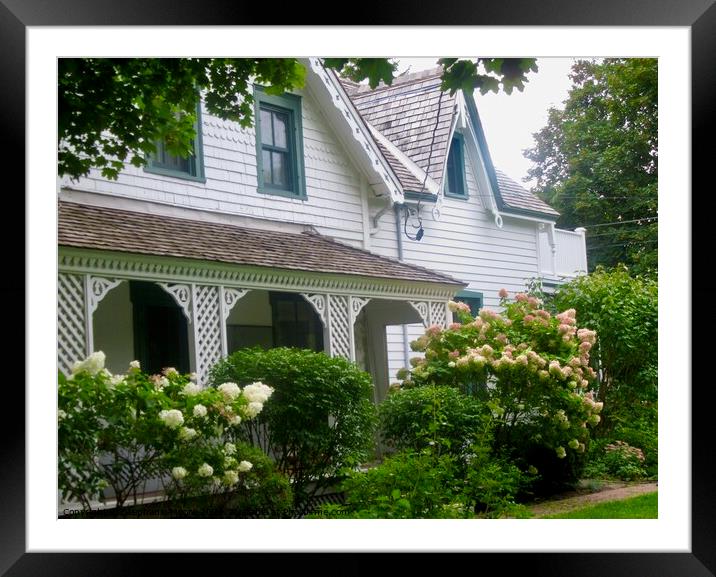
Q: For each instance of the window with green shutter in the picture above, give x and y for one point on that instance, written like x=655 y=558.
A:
x=456 y=185
x=471 y=298
x=279 y=144
x=167 y=164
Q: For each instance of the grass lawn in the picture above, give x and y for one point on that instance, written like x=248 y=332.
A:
x=641 y=507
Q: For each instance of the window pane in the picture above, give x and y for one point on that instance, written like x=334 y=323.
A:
x=280 y=130
x=265 y=120
x=280 y=174
x=266 y=165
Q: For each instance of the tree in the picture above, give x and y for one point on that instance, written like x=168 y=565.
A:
x=596 y=160
x=114 y=110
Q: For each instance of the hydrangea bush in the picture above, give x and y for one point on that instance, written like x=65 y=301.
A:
x=530 y=369
x=124 y=430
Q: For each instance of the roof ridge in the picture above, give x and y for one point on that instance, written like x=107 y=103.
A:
x=358 y=90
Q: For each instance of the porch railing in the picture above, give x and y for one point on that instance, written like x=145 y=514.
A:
x=570 y=256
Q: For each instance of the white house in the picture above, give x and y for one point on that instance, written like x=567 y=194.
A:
x=302 y=231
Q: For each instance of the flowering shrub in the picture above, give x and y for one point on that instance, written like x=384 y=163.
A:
x=617 y=459
x=528 y=367
x=124 y=430
x=320 y=418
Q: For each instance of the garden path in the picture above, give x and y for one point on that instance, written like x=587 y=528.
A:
x=583 y=497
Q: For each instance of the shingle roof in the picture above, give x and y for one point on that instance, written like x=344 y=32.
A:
x=136 y=232
x=406 y=113
x=516 y=196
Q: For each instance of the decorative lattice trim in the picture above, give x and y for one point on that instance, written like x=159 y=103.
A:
x=157 y=269
x=182 y=296
x=98 y=289
x=319 y=305
x=71 y=321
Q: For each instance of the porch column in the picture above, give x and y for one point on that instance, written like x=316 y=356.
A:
x=338 y=314
x=78 y=296
x=72 y=315
x=205 y=311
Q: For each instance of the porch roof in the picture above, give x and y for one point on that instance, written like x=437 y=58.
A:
x=104 y=228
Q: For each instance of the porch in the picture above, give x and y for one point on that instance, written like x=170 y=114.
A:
x=131 y=284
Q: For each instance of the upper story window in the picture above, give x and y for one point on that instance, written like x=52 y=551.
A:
x=190 y=168
x=279 y=144
x=455 y=172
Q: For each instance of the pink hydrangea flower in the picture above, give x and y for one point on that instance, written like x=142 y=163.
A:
x=521 y=297
x=502 y=293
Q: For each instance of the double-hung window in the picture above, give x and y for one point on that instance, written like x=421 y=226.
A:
x=455 y=172
x=279 y=144
x=190 y=168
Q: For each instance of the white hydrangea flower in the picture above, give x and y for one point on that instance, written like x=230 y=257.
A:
x=199 y=411
x=160 y=382
x=229 y=390
x=116 y=380
x=229 y=448
x=170 y=372
x=253 y=409
x=231 y=478
x=257 y=392
x=191 y=389
x=172 y=418
x=205 y=470
x=235 y=420
x=187 y=433
x=92 y=364
x=561 y=453
x=229 y=462
x=179 y=473
x=61 y=414
x=134 y=365
x=245 y=466
x=192 y=377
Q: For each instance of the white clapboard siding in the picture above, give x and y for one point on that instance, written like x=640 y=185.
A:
x=396 y=349
x=332 y=182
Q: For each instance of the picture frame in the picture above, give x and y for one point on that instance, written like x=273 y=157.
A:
x=700 y=16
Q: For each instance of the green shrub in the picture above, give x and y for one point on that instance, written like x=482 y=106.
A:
x=432 y=416
x=492 y=486
x=407 y=485
x=321 y=417
x=123 y=431
x=623 y=310
x=530 y=370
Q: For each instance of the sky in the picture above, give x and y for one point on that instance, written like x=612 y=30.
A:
x=509 y=120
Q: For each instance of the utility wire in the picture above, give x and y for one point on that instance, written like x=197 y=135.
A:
x=629 y=243
x=419 y=234
x=645 y=218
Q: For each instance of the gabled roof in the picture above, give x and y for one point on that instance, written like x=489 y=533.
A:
x=516 y=196
x=406 y=113
x=112 y=229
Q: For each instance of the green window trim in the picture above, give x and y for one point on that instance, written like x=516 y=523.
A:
x=472 y=298
x=288 y=107
x=195 y=165
x=455 y=169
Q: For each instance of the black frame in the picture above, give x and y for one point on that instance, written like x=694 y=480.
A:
x=699 y=15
